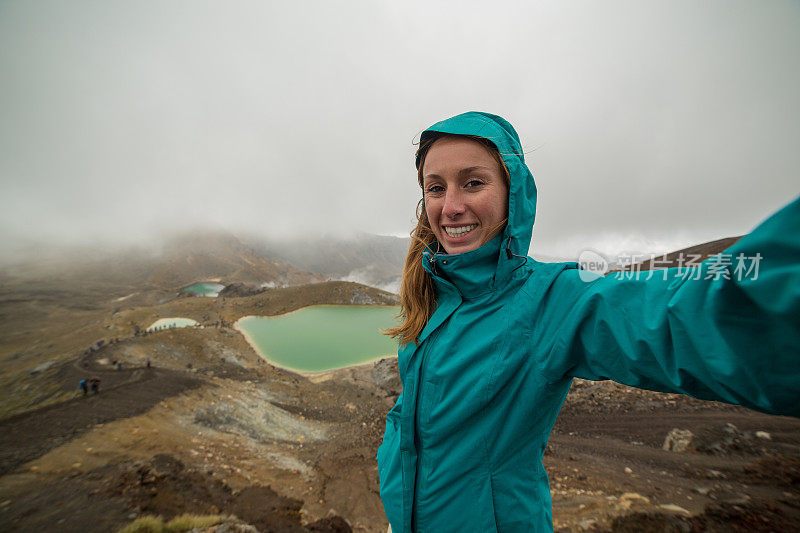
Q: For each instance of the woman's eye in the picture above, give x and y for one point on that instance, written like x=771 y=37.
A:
x=433 y=189
x=474 y=183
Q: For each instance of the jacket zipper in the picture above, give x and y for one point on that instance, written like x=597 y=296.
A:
x=417 y=436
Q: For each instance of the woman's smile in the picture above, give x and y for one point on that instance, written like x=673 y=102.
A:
x=459 y=231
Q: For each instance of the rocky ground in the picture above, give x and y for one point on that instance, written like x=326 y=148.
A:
x=730 y=469
x=210 y=428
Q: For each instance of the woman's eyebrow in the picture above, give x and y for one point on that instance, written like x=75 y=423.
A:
x=467 y=170
x=462 y=172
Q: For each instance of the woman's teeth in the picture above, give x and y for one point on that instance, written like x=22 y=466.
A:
x=459 y=231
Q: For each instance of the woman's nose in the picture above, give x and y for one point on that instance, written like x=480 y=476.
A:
x=453 y=204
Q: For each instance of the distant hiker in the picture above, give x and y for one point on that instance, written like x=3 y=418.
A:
x=119 y=365
x=148 y=363
x=95 y=384
x=82 y=385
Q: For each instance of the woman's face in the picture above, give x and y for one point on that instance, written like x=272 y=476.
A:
x=466 y=197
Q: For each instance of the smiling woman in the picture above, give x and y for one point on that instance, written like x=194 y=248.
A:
x=491 y=339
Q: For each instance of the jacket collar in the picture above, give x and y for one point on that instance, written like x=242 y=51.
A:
x=472 y=273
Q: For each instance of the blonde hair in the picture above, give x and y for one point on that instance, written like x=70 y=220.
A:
x=417 y=291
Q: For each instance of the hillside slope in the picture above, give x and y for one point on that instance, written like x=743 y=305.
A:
x=93 y=278
x=375 y=260
x=222 y=256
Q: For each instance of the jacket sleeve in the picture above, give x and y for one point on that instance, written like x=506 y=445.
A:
x=727 y=332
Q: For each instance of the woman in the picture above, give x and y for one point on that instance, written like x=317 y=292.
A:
x=491 y=339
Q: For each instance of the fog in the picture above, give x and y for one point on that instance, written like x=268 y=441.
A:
x=648 y=125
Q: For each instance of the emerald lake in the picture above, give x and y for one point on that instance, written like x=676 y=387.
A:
x=169 y=323
x=322 y=337
x=205 y=288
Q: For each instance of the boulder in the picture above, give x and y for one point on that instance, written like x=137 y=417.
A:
x=678 y=440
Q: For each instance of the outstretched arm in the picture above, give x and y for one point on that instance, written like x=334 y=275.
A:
x=719 y=332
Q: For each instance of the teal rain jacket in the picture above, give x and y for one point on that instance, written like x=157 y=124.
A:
x=463 y=445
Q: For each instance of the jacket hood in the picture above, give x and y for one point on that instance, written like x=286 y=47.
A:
x=522 y=189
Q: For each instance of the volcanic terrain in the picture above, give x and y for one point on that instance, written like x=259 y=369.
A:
x=210 y=428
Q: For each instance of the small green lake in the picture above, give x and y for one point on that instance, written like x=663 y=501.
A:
x=322 y=337
x=168 y=323
x=205 y=288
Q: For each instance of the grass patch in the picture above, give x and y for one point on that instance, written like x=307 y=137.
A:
x=179 y=524
x=185 y=522
x=145 y=524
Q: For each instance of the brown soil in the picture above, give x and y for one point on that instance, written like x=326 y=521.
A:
x=756 y=516
x=607 y=443
x=163 y=486
x=123 y=394
x=102 y=499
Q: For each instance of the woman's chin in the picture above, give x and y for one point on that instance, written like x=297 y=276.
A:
x=460 y=246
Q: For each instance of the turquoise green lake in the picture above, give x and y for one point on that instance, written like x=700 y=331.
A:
x=322 y=337
x=167 y=323
x=205 y=288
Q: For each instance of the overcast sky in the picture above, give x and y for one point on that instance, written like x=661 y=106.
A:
x=650 y=125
